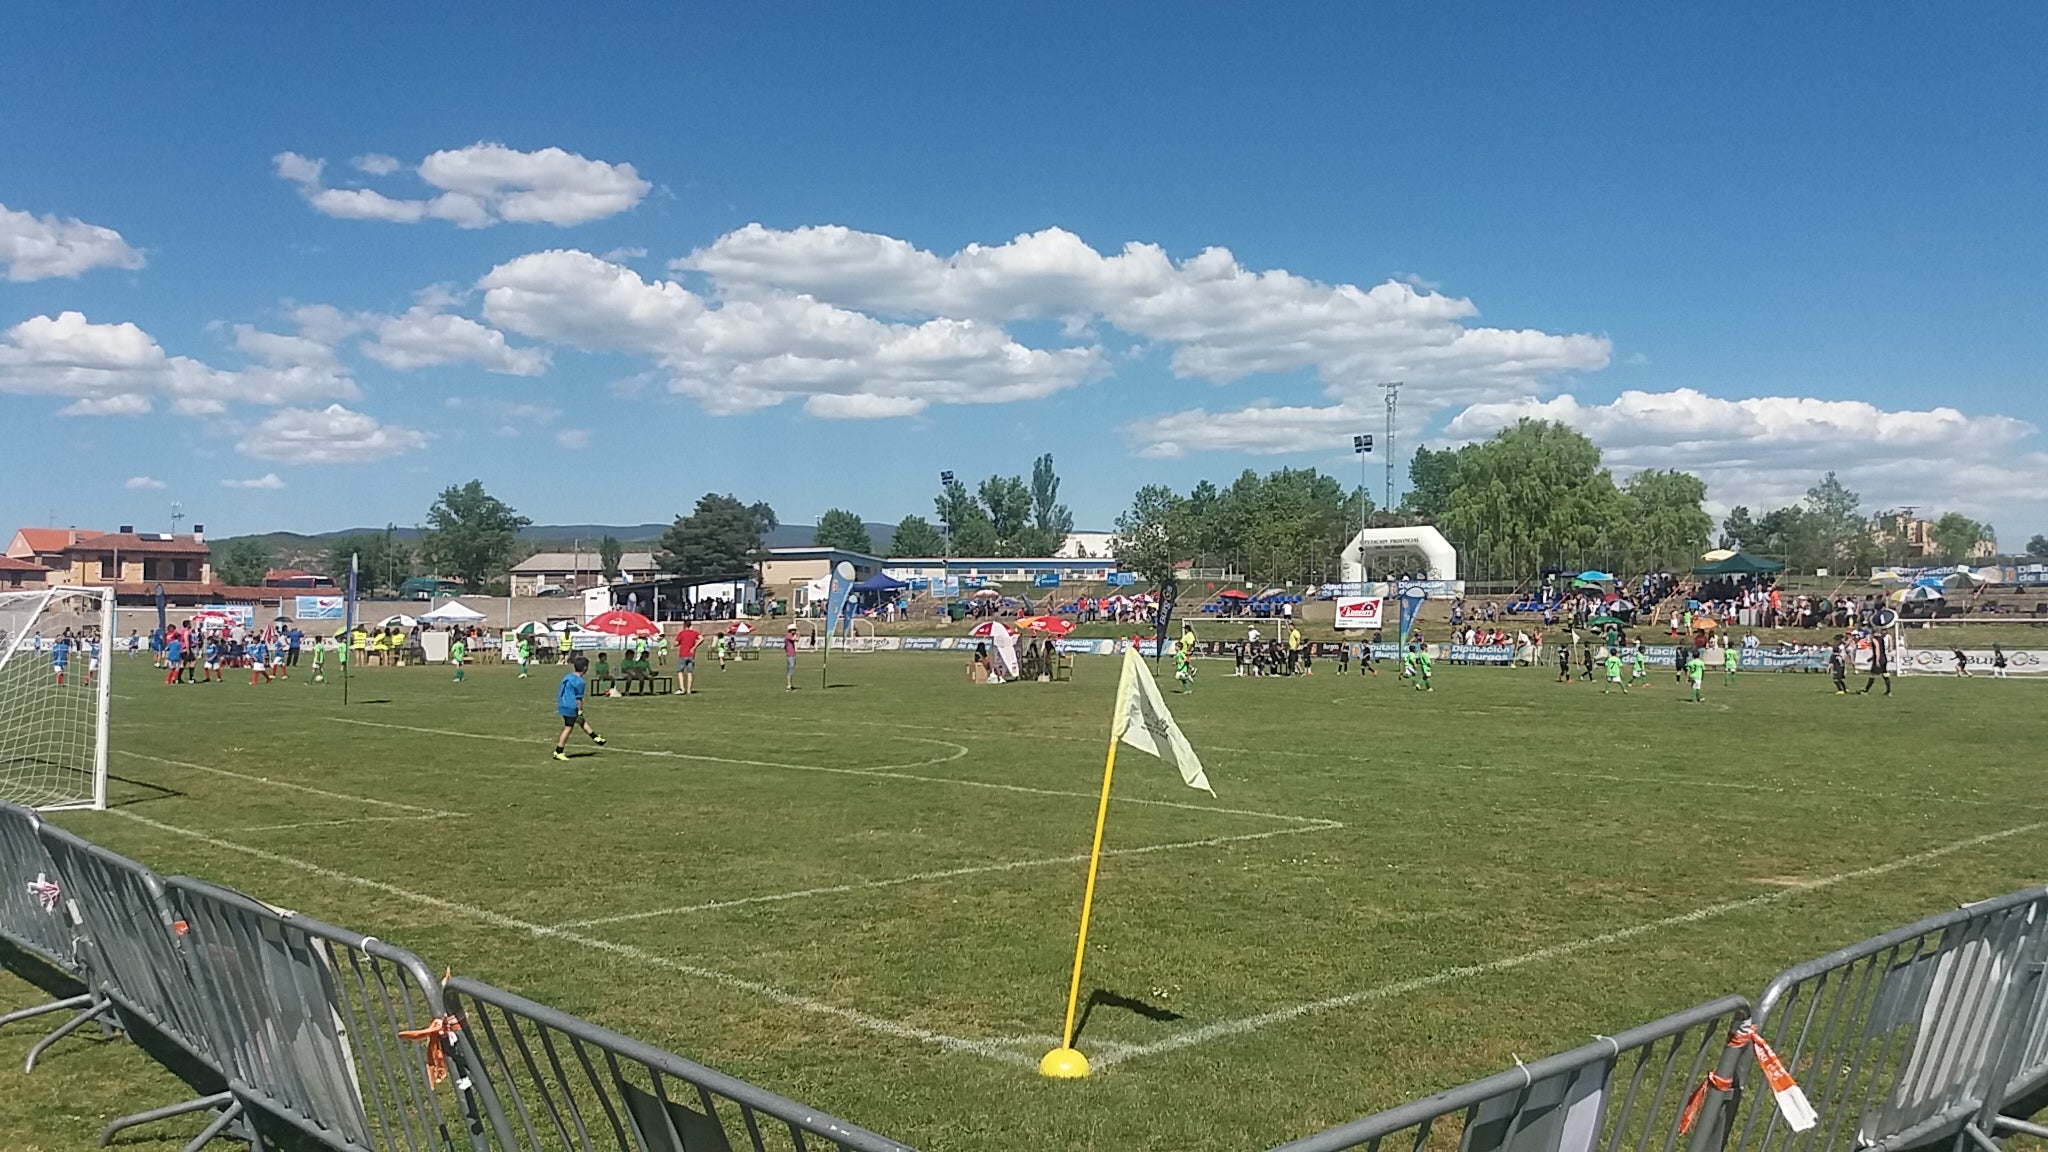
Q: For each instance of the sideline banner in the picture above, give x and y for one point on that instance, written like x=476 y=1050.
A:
x=1360 y=611
x=318 y=608
x=1942 y=662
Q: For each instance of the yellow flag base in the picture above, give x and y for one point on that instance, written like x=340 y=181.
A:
x=1064 y=1064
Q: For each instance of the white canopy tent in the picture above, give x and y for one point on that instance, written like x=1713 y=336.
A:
x=1420 y=546
x=453 y=612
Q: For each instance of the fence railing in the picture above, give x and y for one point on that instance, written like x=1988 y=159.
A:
x=1624 y=1093
x=1923 y=1036
x=561 y=1082
x=1910 y=1036
x=31 y=915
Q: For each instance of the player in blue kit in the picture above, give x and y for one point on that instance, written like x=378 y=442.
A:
x=569 y=706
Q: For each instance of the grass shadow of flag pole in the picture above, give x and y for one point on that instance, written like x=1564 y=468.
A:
x=1142 y=721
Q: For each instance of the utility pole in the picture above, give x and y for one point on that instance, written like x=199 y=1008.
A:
x=1393 y=388
x=946 y=486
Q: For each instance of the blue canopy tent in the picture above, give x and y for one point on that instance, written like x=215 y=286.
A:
x=881 y=582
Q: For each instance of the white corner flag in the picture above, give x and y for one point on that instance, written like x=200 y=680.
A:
x=1143 y=722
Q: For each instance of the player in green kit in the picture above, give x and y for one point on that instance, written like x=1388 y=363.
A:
x=525 y=654
x=1613 y=674
x=1695 y=671
x=457 y=651
x=1422 y=666
x=1639 y=658
x=1731 y=660
x=319 y=662
x=1408 y=662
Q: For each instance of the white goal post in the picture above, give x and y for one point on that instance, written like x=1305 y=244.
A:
x=56 y=648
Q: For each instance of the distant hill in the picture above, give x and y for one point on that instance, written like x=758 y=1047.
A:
x=299 y=550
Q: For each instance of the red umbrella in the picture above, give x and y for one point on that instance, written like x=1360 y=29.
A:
x=984 y=629
x=1050 y=625
x=619 y=622
x=1233 y=594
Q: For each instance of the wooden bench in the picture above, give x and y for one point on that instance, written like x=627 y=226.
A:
x=655 y=684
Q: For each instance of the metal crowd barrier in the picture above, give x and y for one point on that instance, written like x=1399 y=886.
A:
x=137 y=962
x=31 y=916
x=1920 y=1035
x=1623 y=1093
x=563 y=1083
x=309 y=1019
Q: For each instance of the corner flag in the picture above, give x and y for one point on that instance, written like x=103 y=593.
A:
x=1142 y=721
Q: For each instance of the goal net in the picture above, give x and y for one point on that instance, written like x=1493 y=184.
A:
x=53 y=696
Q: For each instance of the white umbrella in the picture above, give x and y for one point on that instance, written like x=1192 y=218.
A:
x=399 y=621
x=453 y=612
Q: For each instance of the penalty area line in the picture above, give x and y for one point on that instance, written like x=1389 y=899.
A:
x=942 y=874
x=420 y=811
x=1224 y=1029
x=990 y=1049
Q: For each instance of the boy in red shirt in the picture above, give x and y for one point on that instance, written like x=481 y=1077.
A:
x=686 y=659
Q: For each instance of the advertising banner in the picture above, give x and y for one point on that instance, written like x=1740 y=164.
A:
x=242 y=614
x=1045 y=580
x=1121 y=579
x=320 y=608
x=1360 y=612
x=1481 y=653
x=1942 y=662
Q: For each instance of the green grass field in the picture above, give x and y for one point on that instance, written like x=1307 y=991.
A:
x=865 y=897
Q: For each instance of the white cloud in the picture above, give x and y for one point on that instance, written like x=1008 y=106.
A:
x=39 y=247
x=1766 y=451
x=861 y=406
x=118 y=369
x=142 y=483
x=424 y=337
x=478 y=186
x=269 y=481
x=1222 y=321
x=330 y=435
x=1259 y=429
x=621 y=255
x=755 y=350
x=574 y=439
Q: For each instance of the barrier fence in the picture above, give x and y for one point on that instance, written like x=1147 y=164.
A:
x=1926 y=1036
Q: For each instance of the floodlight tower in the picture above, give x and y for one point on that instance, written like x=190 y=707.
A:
x=1393 y=388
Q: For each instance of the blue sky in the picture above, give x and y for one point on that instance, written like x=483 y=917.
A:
x=618 y=257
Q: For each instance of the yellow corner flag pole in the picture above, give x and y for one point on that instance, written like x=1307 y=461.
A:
x=1064 y=1062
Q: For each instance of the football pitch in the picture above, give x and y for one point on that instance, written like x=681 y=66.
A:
x=865 y=896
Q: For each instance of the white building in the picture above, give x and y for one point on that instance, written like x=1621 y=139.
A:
x=575 y=571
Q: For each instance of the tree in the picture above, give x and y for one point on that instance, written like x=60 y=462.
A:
x=1007 y=502
x=1739 y=530
x=471 y=534
x=244 y=563
x=2037 y=547
x=915 y=536
x=1050 y=519
x=838 y=528
x=382 y=559
x=1536 y=496
x=1956 y=536
x=1836 y=525
x=1670 y=526
x=608 y=552
x=968 y=532
x=1152 y=535
x=1432 y=477
x=720 y=537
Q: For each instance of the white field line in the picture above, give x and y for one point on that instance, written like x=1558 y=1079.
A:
x=944 y=874
x=419 y=810
x=987 y=1048
x=1224 y=1029
x=870 y=773
x=339 y=823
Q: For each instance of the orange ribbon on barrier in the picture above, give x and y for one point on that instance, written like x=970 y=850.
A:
x=1792 y=1102
x=438 y=1034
